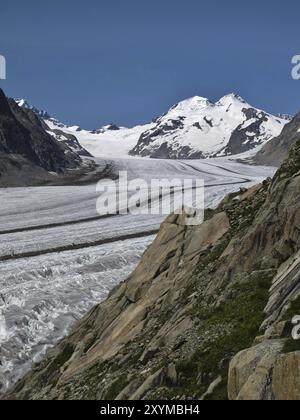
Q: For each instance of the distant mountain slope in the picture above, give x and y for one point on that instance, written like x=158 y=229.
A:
x=275 y=151
x=26 y=148
x=56 y=129
x=192 y=129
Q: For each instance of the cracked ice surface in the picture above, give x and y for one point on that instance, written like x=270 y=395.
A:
x=43 y=296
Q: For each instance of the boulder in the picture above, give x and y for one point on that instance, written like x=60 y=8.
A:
x=250 y=371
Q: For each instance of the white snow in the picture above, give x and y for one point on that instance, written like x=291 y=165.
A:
x=109 y=143
x=21 y=102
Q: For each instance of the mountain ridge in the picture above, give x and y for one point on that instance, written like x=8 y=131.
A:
x=194 y=128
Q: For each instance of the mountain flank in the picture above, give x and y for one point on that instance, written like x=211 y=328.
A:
x=29 y=155
x=277 y=149
x=197 y=128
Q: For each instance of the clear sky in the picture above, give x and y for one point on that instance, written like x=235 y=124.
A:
x=126 y=61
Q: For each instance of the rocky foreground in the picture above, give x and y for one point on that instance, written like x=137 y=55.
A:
x=206 y=314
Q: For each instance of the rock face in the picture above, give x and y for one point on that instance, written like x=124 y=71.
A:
x=26 y=149
x=67 y=141
x=206 y=314
x=70 y=141
x=263 y=371
x=250 y=372
x=274 y=152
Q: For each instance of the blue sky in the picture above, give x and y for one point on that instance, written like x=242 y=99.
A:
x=95 y=62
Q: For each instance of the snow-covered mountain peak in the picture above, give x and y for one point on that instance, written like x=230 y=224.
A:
x=194 y=103
x=197 y=105
x=197 y=128
x=232 y=99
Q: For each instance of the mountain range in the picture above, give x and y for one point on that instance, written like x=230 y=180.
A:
x=36 y=147
x=194 y=128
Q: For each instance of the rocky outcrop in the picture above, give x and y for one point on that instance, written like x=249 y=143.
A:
x=250 y=372
x=264 y=371
x=206 y=314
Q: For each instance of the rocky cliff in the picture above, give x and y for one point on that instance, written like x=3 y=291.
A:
x=206 y=314
x=27 y=151
x=64 y=138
